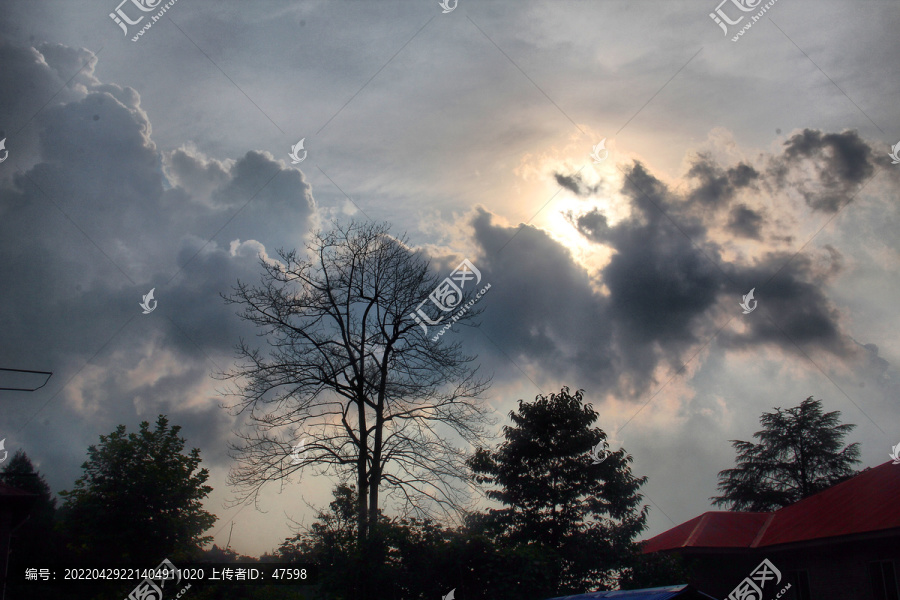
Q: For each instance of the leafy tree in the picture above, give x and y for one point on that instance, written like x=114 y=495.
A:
x=351 y=371
x=418 y=559
x=579 y=519
x=330 y=542
x=799 y=454
x=139 y=499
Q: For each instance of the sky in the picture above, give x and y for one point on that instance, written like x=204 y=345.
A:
x=718 y=167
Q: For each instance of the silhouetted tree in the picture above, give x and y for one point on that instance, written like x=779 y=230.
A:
x=352 y=372
x=35 y=538
x=418 y=558
x=654 y=570
x=332 y=544
x=139 y=499
x=35 y=541
x=577 y=518
x=799 y=454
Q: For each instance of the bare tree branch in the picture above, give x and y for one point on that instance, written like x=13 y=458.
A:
x=349 y=369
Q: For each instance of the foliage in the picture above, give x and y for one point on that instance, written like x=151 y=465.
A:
x=139 y=499
x=581 y=517
x=406 y=558
x=654 y=570
x=799 y=454
x=32 y=538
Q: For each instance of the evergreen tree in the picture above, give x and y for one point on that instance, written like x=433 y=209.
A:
x=799 y=454
x=574 y=517
x=35 y=538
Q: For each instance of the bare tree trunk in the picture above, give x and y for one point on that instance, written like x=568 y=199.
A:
x=362 y=479
x=362 y=530
x=375 y=474
x=375 y=478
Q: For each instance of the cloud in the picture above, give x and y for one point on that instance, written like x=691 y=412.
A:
x=673 y=279
x=541 y=307
x=97 y=216
x=718 y=186
x=827 y=168
x=575 y=184
x=745 y=222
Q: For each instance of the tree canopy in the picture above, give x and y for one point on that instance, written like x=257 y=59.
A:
x=799 y=453
x=582 y=516
x=33 y=539
x=139 y=498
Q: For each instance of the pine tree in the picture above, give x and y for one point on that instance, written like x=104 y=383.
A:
x=34 y=539
x=799 y=454
x=579 y=515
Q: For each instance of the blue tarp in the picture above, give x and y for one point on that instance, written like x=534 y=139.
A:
x=657 y=593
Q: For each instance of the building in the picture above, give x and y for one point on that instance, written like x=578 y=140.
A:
x=841 y=543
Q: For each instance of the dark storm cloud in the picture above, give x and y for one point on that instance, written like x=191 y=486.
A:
x=661 y=287
x=664 y=280
x=667 y=287
x=841 y=163
x=659 y=282
x=717 y=185
x=798 y=311
x=275 y=203
x=98 y=216
x=592 y=224
x=659 y=290
x=745 y=222
x=575 y=184
x=540 y=306
x=29 y=77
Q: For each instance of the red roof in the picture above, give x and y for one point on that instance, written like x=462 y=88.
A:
x=714 y=529
x=865 y=503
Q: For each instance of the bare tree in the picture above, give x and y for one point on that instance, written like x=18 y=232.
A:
x=352 y=371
